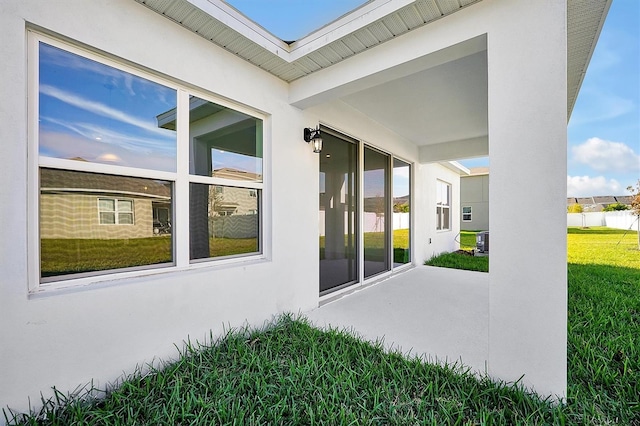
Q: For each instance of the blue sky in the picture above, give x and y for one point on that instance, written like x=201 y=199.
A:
x=604 y=130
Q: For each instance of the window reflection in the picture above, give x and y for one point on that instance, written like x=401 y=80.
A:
x=224 y=143
x=224 y=221
x=95 y=222
x=92 y=112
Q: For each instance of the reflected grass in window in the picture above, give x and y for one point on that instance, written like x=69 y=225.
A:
x=70 y=256
x=224 y=221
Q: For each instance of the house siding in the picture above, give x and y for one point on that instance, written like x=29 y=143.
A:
x=474 y=192
x=76 y=216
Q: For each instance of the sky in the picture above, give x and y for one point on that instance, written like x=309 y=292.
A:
x=93 y=112
x=604 y=130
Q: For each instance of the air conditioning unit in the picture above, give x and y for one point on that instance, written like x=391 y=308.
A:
x=482 y=242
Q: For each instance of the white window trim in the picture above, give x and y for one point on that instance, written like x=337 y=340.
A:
x=470 y=214
x=180 y=179
x=116 y=211
x=447 y=207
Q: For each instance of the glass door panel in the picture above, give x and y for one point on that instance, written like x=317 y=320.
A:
x=338 y=212
x=376 y=207
x=401 y=212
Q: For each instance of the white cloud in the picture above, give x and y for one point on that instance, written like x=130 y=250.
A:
x=65 y=145
x=596 y=105
x=100 y=109
x=586 y=186
x=605 y=156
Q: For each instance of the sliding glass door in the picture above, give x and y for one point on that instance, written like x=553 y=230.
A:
x=401 y=212
x=362 y=234
x=338 y=212
x=376 y=211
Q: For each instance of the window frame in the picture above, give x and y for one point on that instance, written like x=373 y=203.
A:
x=470 y=214
x=180 y=179
x=441 y=207
x=116 y=211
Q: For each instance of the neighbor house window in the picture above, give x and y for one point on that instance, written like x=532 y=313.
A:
x=443 y=205
x=106 y=141
x=466 y=214
x=112 y=211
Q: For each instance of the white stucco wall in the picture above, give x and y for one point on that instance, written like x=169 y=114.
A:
x=131 y=321
x=95 y=332
x=437 y=241
x=69 y=338
x=528 y=152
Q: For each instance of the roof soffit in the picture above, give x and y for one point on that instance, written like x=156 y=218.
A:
x=370 y=25
x=367 y=26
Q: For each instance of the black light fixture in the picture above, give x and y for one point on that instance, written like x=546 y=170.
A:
x=313 y=135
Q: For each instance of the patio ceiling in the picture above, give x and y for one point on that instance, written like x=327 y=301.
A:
x=439 y=100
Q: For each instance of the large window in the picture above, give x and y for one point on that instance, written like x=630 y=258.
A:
x=106 y=137
x=443 y=205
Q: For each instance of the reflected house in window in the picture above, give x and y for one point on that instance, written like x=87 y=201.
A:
x=225 y=145
x=82 y=205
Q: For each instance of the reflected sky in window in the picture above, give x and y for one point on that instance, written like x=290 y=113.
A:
x=92 y=112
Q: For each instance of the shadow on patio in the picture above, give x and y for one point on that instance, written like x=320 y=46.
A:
x=440 y=313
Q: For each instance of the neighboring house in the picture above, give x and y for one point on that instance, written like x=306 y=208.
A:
x=86 y=205
x=474 y=200
x=599 y=203
x=174 y=92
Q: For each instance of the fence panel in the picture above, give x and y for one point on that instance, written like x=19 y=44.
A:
x=617 y=220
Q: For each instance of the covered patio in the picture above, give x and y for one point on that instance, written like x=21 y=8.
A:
x=438 y=313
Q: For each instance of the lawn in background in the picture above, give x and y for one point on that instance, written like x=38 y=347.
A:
x=455 y=260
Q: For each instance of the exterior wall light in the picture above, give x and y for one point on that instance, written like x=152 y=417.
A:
x=313 y=135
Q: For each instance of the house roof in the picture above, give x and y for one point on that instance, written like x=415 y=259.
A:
x=601 y=199
x=54 y=180
x=604 y=199
x=367 y=26
x=478 y=171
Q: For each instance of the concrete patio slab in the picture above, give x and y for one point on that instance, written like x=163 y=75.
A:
x=441 y=314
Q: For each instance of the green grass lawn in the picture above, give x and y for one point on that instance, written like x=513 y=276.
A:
x=292 y=373
x=70 y=256
x=468 y=240
x=454 y=260
x=374 y=245
x=604 y=326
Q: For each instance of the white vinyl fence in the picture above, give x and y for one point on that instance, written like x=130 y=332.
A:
x=617 y=220
x=372 y=222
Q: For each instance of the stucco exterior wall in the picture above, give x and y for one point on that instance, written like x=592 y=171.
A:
x=437 y=241
x=142 y=316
